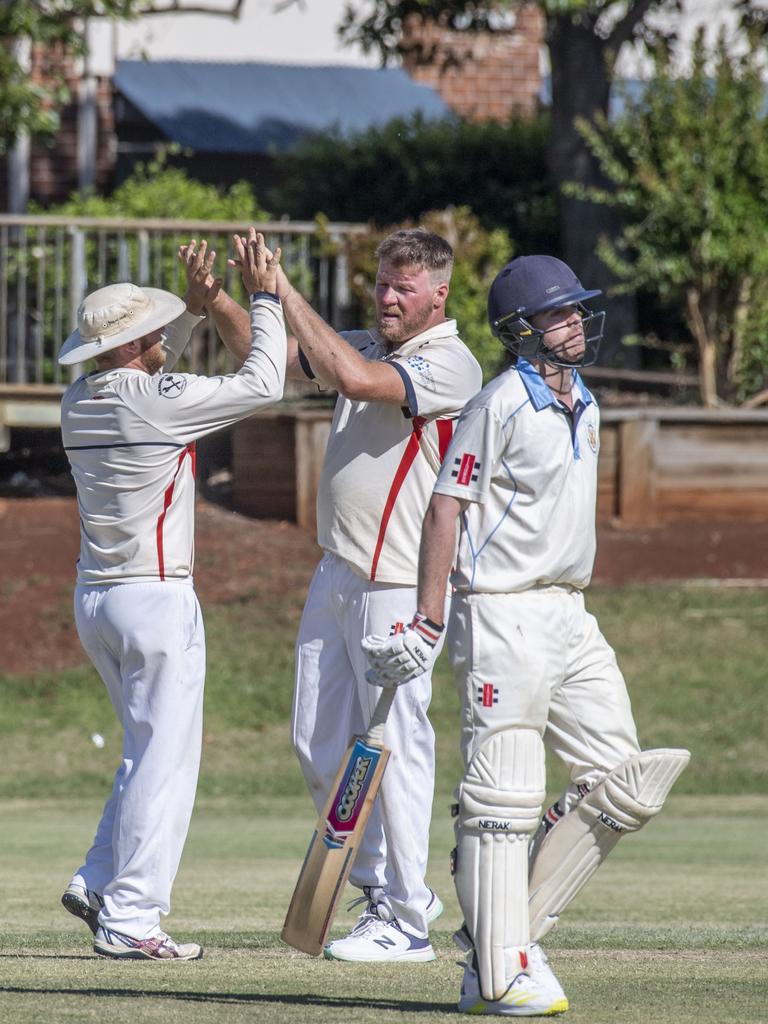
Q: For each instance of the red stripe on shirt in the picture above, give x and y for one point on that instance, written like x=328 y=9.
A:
x=409 y=455
x=487 y=695
x=444 y=435
x=167 y=499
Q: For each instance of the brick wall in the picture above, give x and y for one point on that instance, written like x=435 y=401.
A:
x=53 y=167
x=483 y=76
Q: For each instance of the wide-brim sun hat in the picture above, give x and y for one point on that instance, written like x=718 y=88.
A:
x=117 y=314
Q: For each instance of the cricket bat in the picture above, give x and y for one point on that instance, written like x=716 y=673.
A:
x=337 y=836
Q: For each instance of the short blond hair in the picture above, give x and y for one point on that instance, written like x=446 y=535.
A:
x=417 y=247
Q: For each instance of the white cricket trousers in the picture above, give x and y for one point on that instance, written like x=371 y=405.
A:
x=147 y=643
x=537 y=660
x=333 y=702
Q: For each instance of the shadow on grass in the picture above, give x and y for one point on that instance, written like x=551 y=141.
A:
x=45 y=956
x=234 y=999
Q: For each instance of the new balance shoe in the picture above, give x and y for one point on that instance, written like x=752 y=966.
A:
x=525 y=997
x=83 y=903
x=159 y=947
x=373 y=895
x=374 y=939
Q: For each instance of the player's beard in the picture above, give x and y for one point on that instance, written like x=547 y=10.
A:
x=406 y=326
x=153 y=358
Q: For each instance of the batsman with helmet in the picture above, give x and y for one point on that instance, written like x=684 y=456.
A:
x=531 y=665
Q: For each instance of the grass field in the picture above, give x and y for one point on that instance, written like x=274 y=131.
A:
x=673 y=929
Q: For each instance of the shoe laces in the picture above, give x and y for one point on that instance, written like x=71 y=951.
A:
x=376 y=909
x=371 y=922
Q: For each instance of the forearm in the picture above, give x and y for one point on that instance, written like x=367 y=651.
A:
x=233 y=324
x=177 y=336
x=436 y=554
x=333 y=361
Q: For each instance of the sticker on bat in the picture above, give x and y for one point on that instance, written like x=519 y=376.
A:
x=350 y=796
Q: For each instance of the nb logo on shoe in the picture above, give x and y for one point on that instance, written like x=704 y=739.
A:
x=384 y=942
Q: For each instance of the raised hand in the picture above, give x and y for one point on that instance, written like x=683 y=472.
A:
x=202 y=285
x=257 y=263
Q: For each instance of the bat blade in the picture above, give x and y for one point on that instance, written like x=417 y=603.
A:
x=333 y=846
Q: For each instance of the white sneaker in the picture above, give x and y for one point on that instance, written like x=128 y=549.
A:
x=525 y=997
x=375 y=940
x=83 y=903
x=538 y=968
x=159 y=947
x=373 y=896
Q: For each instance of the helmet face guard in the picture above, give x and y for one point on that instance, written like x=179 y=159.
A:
x=520 y=337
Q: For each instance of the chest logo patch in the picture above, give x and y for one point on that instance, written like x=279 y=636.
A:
x=465 y=469
x=171 y=385
x=592 y=437
x=420 y=366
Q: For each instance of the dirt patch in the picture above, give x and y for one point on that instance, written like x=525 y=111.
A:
x=236 y=556
x=39 y=544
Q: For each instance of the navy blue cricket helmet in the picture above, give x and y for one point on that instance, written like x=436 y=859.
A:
x=533 y=284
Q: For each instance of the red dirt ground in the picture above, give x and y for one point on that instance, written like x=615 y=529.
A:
x=236 y=555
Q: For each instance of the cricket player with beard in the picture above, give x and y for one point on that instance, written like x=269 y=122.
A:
x=531 y=665
x=401 y=387
x=129 y=430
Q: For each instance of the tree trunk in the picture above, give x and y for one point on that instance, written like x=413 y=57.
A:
x=580 y=87
x=707 y=349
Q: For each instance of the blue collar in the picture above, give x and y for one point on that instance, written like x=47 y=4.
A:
x=539 y=391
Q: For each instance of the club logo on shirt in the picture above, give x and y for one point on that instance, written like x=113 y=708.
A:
x=171 y=385
x=420 y=365
x=466 y=468
x=487 y=695
x=592 y=437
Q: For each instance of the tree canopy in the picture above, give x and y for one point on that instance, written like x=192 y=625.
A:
x=29 y=105
x=584 y=39
x=688 y=168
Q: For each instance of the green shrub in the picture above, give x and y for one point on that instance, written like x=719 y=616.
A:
x=156 y=190
x=408 y=167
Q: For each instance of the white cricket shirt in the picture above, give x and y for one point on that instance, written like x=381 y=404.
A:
x=381 y=461
x=130 y=439
x=528 y=467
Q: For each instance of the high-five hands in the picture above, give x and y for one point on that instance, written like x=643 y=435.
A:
x=398 y=659
x=258 y=265
x=202 y=285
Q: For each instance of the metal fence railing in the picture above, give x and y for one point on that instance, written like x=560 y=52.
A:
x=48 y=264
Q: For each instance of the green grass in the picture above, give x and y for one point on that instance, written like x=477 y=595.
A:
x=694 y=660
x=671 y=931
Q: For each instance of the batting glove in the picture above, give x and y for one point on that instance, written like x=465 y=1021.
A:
x=398 y=659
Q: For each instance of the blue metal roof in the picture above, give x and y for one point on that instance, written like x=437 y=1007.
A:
x=260 y=108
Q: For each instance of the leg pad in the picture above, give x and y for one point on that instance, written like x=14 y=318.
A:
x=576 y=846
x=500 y=800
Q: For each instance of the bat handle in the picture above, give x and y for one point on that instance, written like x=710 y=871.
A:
x=375 y=734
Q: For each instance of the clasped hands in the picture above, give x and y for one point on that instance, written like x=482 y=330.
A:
x=258 y=267
x=400 y=658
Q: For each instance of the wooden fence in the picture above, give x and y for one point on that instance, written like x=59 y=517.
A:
x=657 y=465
